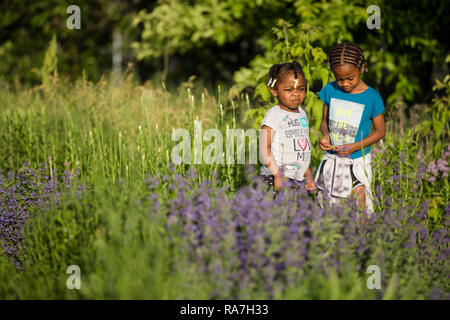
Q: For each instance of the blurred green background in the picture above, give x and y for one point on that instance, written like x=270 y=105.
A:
x=106 y=98
x=172 y=40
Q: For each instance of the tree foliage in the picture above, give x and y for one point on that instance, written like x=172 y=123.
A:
x=401 y=55
x=27 y=30
x=218 y=37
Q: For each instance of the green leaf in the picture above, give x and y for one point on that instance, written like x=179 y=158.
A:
x=433 y=213
x=262 y=74
x=307 y=73
x=317 y=112
x=221 y=38
x=318 y=54
x=424 y=127
x=262 y=91
x=437 y=148
x=324 y=75
x=296 y=51
x=437 y=127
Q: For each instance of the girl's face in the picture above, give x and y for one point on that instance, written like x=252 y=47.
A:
x=348 y=77
x=289 y=95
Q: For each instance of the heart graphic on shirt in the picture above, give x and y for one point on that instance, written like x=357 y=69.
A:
x=302 y=143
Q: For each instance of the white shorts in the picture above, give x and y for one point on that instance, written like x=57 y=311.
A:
x=338 y=176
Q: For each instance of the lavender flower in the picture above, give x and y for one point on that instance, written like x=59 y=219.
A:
x=20 y=194
x=270 y=243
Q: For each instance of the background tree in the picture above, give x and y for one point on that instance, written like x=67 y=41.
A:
x=26 y=31
x=222 y=41
x=404 y=55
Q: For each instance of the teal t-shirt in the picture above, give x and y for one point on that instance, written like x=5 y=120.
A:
x=350 y=115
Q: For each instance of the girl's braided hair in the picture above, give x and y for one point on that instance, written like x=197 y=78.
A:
x=346 y=52
x=278 y=71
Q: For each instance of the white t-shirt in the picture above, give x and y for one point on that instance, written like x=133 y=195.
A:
x=291 y=146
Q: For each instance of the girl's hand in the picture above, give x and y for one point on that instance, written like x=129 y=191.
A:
x=278 y=181
x=325 y=143
x=310 y=186
x=346 y=149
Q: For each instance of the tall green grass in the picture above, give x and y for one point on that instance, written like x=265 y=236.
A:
x=107 y=130
x=118 y=135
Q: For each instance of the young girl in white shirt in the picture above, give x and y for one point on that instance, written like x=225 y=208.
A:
x=284 y=145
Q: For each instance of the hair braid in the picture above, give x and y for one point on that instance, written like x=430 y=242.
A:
x=277 y=71
x=346 y=52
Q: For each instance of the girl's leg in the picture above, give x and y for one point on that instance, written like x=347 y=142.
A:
x=358 y=190
x=360 y=194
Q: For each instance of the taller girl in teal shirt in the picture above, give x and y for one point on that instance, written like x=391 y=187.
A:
x=350 y=108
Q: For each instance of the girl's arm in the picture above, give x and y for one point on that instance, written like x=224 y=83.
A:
x=309 y=180
x=325 y=141
x=265 y=142
x=378 y=134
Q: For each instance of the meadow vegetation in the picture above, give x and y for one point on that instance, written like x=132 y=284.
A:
x=86 y=179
